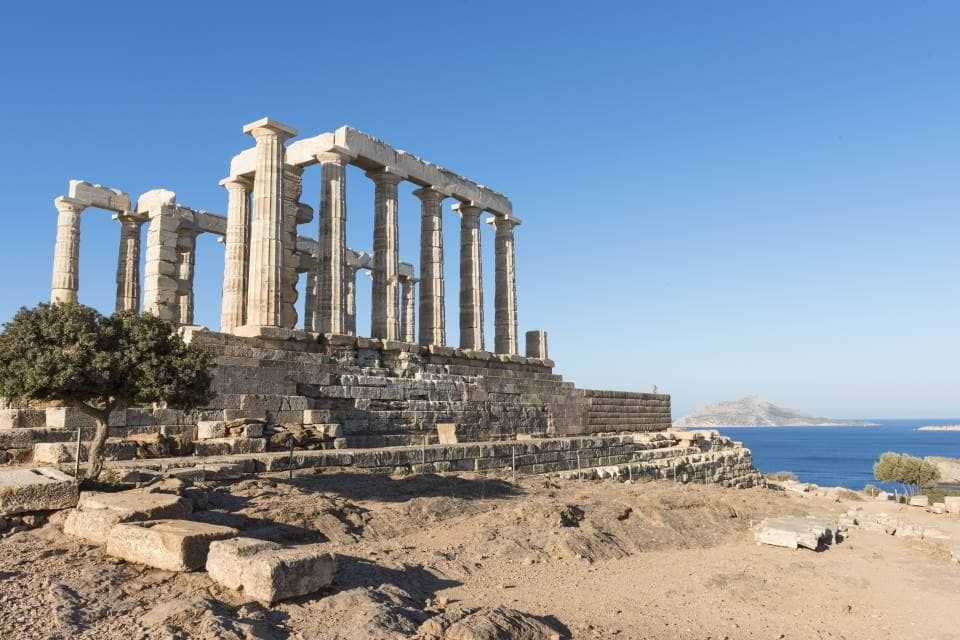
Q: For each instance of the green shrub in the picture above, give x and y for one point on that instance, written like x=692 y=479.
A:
x=913 y=473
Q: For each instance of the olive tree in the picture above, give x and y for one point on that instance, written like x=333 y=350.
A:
x=70 y=353
x=909 y=471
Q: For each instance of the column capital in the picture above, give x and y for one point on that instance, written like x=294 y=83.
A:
x=269 y=127
x=244 y=183
x=335 y=155
x=503 y=223
x=70 y=205
x=130 y=217
x=468 y=209
x=430 y=194
x=386 y=175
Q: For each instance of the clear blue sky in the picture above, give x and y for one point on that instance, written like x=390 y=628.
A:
x=719 y=198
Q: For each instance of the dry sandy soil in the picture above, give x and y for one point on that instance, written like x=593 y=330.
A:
x=590 y=559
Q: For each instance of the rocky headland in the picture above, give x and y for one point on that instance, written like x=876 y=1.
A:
x=754 y=411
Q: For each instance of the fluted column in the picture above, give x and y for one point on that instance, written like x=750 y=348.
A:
x=432 y=310
x=310 y=300
x=128 y=264
x=350 y=301
x=236 y=253
x=186 y=250
x=332 y=247
x=471 y=278
x=66 y=254
x=292 y=185
x=385 y=303
x=505 y=293
x=265 y=274
x=408 y=313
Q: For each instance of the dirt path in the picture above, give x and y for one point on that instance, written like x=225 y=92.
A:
x=592 y=559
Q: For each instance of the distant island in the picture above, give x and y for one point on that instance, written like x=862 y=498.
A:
x=754 y=411
x=940 y=427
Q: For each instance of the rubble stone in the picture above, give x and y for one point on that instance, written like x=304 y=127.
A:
x=97 y=513
x=919 y=501
x=793 y=533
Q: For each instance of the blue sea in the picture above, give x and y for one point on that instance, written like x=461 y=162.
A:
x=842 y=456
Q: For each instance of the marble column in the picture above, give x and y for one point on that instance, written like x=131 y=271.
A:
x=471 y=278
x=310 y=300
x=128 y=264
x=505 y=293
x=236 y=253
x=385 y=303
x=66 y=254
x=265 y=274
x=432 y=310
x=292 y=186
x=408 y=313
x=332 y=247
x=187 y=251
x=350 y=301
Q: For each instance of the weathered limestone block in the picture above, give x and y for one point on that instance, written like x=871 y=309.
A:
x=22 y=418
x=207 y=429
x=171 y=545
x=792 y=533
x=228 y=446
x=919 y=501
x=952 y=504
x=96 y=513
x=37 y=489
x=269 y=573
x=55 y=452
x=447 y=432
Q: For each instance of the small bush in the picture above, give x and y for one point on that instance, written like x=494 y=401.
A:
x=913 y=473
x=846 y=494
x=871 y=490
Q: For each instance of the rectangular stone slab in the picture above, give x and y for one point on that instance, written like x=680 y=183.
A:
x=37 y=489
x=97 y=513
x=267 y=572
x=171 y=545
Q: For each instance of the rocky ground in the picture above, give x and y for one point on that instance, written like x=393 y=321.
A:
x=526 y=560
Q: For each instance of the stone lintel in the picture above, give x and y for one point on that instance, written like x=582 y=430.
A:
x=283 y=130
x=99 y=196
x=498 y=220
x=405 y=270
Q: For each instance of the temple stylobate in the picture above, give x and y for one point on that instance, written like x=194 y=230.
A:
x=265 y=255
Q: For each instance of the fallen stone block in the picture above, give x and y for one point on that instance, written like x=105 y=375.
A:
x=97 y=513
x=171 y=545
x=188 y=474
x=952 y=504
x=938 y=507
x=919 y=501
x=793 y=533
x=38 y=489
x=223 y=471
x=268 y=572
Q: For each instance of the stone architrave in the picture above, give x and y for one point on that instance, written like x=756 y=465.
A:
x=432 y=310
x=408 y=315
x=66 y=255
x=265 y=274
x=505 y=293
x=385 y=302
x=187 y=252
x=471 y=278
x=236 y=253
x=332 y=244
x=128 y=264
x=292 y=186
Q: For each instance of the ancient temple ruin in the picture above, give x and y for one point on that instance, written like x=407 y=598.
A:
x=403 y=387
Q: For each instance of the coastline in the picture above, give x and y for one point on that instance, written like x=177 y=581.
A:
x=781 y=426
x=944 y=427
